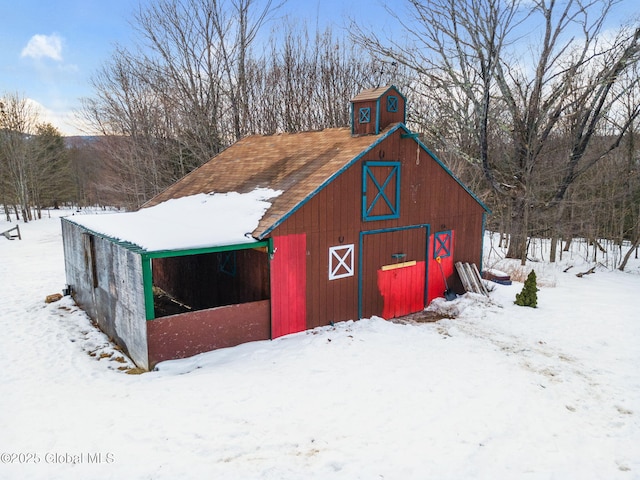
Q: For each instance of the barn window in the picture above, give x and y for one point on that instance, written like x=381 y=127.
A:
x=442 y=247
x=365 y=115
x=381 y=191
x=392 y=103
x=340 y=261
x=227 y=263
x=90 y=258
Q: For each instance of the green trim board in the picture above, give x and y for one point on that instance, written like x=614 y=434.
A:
x=178 y=252
x=147 y=256
x=147 y=271
x=147 y=285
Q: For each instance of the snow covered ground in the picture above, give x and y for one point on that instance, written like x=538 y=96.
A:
x=498 y=392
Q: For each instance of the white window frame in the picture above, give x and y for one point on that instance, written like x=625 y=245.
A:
x=341 y=256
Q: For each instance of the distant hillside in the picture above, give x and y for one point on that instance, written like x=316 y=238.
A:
x=79 y=140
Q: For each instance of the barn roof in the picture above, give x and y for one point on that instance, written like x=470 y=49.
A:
x=187 y=223
x=298 y=164
x=373 y=93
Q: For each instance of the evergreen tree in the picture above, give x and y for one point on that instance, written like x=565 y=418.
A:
x=528 y=297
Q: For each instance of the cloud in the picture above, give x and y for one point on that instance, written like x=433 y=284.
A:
x=61 y=115
x=44 y=46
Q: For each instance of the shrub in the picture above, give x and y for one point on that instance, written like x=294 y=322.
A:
x=528 y=297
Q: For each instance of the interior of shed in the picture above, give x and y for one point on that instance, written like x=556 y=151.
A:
x=195 y=282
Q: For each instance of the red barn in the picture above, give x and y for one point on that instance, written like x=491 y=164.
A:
x=361 y=216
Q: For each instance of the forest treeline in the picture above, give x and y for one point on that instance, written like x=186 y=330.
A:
x=533 y=104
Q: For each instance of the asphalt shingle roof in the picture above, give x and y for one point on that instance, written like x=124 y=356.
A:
x=296 y=163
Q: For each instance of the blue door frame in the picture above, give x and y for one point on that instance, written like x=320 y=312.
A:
x=426 y=226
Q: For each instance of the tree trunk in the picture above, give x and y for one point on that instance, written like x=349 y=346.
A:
x=554 y=247
x=628 y=254
x=518 y=234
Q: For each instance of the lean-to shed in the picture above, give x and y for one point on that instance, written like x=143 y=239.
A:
x=278 y=234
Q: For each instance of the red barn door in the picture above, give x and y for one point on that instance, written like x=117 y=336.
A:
x=288 y=285
x=393 y=271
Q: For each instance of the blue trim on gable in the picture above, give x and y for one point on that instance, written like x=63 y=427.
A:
x=328 y=181
x=446 y=169
x=378 y=116
x=356 y=159
x=397 y=90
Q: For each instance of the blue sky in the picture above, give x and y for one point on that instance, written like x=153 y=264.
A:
x=49 y=49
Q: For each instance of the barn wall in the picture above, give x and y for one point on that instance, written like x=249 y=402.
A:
x=333 y=217
x=369 y=127
x=187 y=334
x=106 y=281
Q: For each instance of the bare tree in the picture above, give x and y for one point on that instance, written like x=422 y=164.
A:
x=32 y=159
x=18 y=120
x=473 y=52
x=178 y=99
x=305 y=81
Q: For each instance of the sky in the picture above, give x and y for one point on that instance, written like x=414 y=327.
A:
x=50 y=50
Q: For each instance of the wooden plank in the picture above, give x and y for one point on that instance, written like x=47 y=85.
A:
x=483 y=288
x=384 y=268
x=472 y=279
x=462 y=273
x=11 y=236
x=187 y=334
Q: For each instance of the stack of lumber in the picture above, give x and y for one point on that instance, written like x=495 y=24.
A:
x=470 y=278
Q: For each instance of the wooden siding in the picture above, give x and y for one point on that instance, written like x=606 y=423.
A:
x=360 y=128
x=106 y=282
x=429 y=195
x=402 y=289
x=187 y=334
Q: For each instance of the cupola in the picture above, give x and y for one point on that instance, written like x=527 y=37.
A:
x=373 y=109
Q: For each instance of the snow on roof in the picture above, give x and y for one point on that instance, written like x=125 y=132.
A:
x=196 y=221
